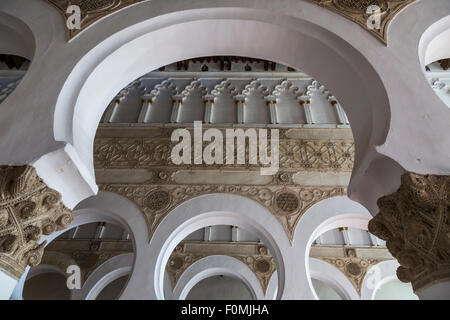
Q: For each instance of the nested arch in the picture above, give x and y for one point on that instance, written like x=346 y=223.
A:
x=435 y=42
x=325 y=272
x=112 y=269
x=147 y=281
x=326 y=215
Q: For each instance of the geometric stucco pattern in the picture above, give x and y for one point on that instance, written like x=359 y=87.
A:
x=414 y=222
x=91 y=10
x=28 y=209
x=353 y=267
x=357 y=11
x=260 y=262
x=286 y=203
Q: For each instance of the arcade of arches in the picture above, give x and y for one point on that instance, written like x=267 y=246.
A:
x=93 y=205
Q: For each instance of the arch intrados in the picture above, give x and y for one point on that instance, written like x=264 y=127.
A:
x=435 y=42
x=212 y=219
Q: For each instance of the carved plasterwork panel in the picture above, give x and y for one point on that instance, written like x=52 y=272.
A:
x=414 y=222
x=261 y=263
x=356 y=11
x=295 y=154
x=287 y=204
x=91 y=10
x=28 y=210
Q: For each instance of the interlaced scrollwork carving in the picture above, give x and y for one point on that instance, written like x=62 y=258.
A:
x=308 y=155
x=28 y=210
x=414 y=221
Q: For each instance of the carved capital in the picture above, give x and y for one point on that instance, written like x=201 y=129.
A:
x=28 y=210
x=414 y=221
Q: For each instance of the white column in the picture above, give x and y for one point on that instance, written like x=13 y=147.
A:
x=344 y=231
x=374 y=240
x=234 y=234
x=207 y=236
x=75 y=232
x=209 y=102
x=111 y=112
x=100 y=230
x=271 y=103
x=306 y=103
x=240 y=100
x=145 y=110
x=339 y=111
x=177 y=102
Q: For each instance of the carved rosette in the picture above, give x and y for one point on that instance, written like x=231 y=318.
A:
x=91 y=10
x=28 y=210
x=358 y=11
x=414 y=221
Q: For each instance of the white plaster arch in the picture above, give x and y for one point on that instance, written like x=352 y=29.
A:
x=147 y=281
x=107 y=272
x=376 y=276
x=213 y=266
x=325 y=215
x=131 y=61
x=332 y=276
